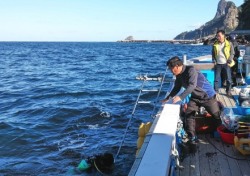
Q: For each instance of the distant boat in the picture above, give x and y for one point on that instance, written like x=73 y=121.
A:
x=175 y=42
x=201 y=43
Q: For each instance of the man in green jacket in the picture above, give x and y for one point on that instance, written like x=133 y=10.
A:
x=222 y=54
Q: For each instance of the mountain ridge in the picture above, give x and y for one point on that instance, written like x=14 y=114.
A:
x=226 y=18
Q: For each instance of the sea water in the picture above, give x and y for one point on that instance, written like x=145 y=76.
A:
x=61 y=102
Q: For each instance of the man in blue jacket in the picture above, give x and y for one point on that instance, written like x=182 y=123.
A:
x=202 y=94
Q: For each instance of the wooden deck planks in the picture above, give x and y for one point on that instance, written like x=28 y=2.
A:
x=190 y=166
x=203 y=160
x=222 y=159
x=213 y=159
x=216 y=158
x=185 y=164
x=233 y=164
x=242 y=163
x=194 y=165
x=210 y=158
x=227 y=101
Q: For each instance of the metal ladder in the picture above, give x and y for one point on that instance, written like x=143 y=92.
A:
x=145 y=79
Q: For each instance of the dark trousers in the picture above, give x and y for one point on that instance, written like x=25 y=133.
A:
x=234 y=72
x=218 y=68
x=211 y=106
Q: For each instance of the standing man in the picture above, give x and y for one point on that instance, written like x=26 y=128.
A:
x=222 y=55
x=202 y=94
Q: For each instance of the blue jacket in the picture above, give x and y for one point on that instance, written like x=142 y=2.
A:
x=194 y=82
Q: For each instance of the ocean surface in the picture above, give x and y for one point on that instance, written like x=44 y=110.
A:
x=61 y=102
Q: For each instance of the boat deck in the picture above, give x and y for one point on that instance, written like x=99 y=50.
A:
x=227 y=101
x=214 y=157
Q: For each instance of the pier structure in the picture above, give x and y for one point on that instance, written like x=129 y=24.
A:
x=163 y=41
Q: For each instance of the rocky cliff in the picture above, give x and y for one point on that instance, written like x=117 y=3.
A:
x=244 y=16
x=226 y=18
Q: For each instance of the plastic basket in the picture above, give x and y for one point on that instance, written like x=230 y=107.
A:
x=227 y=136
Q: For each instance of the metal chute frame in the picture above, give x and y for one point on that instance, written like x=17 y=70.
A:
x=145 y=79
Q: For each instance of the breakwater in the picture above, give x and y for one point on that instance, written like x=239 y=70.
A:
x=162 y=41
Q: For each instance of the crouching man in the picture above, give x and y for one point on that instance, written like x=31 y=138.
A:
x=202 y=94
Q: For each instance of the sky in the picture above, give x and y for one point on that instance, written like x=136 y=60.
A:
x=102 y=20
